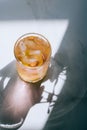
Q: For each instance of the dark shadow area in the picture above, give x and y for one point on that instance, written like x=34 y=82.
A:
x=16 y=97
x=69 y=112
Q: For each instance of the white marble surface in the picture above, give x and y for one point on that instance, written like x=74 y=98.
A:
x=63 y=23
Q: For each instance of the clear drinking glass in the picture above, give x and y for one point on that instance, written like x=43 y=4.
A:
x=32 y=52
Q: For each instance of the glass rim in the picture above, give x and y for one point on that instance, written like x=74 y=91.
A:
x=33 y=34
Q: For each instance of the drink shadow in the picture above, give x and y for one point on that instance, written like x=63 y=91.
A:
x=17 y=97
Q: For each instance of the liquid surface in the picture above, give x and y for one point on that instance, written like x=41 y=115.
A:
x=32 y=51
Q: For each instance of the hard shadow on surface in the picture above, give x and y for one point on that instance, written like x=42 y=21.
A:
x=7 y=83
x=71 y=94
x=16 y=97
x=71 y=104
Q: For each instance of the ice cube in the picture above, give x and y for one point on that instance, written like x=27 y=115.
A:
x=22 y=46
x=30 y=61
x=35 y=52
x=33 y=62
x=25 y=60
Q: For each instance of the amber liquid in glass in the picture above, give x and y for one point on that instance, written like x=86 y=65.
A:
x=33 y=55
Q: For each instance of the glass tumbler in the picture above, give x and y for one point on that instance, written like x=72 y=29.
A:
x=32 y=52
